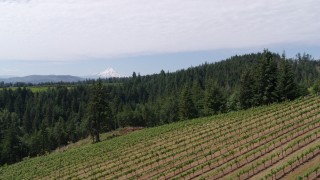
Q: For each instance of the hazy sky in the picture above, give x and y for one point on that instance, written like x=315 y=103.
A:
x=82 y=37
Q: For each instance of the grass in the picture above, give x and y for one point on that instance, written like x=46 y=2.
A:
x=32 y=88
x=103 y=137
x=35 y=89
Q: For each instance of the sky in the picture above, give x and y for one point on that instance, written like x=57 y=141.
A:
x=84 y=37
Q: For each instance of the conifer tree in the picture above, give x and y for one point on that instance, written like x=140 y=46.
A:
x=286 y=88
x=246 y=93
x=316 y=87
x=187 y=108
x=43 y=135
x=99 y=111
x=215 y=102
x=268 y=79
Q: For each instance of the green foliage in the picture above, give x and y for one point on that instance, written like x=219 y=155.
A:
x=215 y=101
x=233 y=102
x=286 y=88
x=99 y=112
x=268 y=79
x=12 y=148
x=272 y=80
x=170 y=110
x=316 y=87
x=52 y=115
x=187 y=108
x=225 y=146
x=246 y=94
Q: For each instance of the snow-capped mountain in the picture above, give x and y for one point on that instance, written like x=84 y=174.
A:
x=109 y=73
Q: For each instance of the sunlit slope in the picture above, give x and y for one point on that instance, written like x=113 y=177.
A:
x=277 y=141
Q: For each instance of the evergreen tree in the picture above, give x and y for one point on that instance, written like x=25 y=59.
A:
x=11 y=145
x=233 y=102
x=26 y=121
x=215 y=101
x=268 y=78
x=169 y=111
x=187 y=108
x=246 y=93
x=99 y=111
x=71 y=130
x=286 y=88
x=316 y=87
x=59 y=132
x=198 y=97
x=43 y=135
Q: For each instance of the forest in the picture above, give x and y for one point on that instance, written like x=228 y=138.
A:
x=35 y=123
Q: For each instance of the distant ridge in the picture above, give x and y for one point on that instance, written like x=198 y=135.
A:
x=35 y=79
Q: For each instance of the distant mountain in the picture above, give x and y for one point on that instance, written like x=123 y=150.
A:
x=109 y=73
x=5 y=76
x=35 y=79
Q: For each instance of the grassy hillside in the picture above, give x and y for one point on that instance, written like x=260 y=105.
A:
x=33 y=89
x=277 y=141
x=36 y=89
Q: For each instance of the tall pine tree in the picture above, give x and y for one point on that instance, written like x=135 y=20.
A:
x=187 y=108
x=99 y=111
x=286 y=88
x=246 y=93
x=268 y=78
x=215 y=102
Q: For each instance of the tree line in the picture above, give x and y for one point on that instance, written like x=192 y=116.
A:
x=34 y=123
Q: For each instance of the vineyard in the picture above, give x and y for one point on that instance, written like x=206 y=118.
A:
x=271 y=142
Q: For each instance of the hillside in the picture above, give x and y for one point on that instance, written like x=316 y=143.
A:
x=275 y=141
